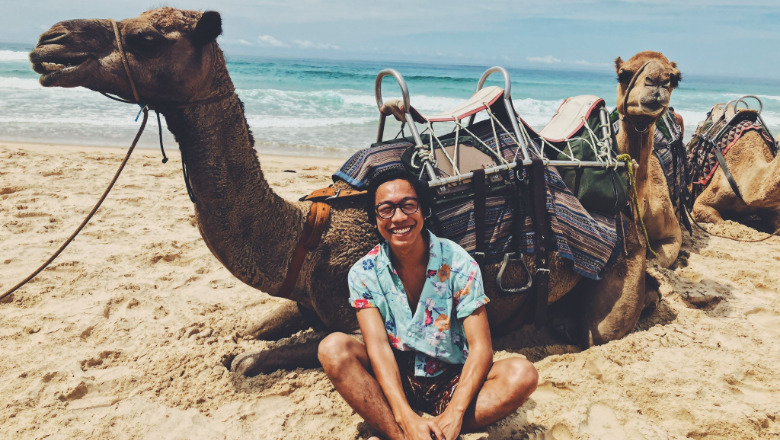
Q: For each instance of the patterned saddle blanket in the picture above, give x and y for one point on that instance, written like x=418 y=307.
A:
x=589 y=240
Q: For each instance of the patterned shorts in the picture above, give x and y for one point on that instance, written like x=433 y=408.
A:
x=427 y=394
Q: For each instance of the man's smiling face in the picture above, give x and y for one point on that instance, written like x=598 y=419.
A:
x=401 y=229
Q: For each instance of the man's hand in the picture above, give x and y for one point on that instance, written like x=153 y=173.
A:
x=450 y=424
x=418 y=428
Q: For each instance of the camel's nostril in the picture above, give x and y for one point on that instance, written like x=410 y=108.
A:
x=52 y=37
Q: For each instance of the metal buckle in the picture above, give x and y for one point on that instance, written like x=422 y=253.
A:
x=338 y=191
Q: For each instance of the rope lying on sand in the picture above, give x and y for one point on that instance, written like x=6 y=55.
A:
x=91 y=213
x=777 y=232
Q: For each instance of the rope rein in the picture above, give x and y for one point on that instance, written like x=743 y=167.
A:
x=91 y=213
x=776 y=233
x=145 y=110
x=626 y=158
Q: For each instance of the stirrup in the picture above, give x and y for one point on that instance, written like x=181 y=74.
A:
x=513 y=256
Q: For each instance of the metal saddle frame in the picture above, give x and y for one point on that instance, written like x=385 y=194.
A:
x=730 y=112
x=526 y=152
x=600 y=142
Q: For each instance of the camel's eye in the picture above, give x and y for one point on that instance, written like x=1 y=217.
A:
x=145 y=43
x=624 y=76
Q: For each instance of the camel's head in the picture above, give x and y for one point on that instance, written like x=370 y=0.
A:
x=171 y=55
x=648 y=78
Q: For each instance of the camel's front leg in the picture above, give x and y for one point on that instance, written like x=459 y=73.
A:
x=704 y=212
x=287 y=357
x=283 y=322
x=667 y=249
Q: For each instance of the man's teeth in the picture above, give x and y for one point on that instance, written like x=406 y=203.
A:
x=402 y=231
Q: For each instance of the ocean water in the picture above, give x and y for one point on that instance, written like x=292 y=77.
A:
x=328 y=108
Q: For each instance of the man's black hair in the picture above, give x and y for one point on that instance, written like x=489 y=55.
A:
x=420 y=187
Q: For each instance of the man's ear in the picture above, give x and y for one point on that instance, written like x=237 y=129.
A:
x=209 y=27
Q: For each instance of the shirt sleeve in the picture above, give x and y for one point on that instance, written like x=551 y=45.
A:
x=469 y=293
x=360 y=296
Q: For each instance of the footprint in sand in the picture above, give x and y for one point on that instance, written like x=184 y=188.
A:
x=602 y=423
x=765 y=319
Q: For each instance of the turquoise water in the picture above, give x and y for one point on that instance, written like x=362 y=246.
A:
x=328 y=108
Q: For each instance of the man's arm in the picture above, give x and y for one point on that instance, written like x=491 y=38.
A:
x=386 y=371
x=473 y=375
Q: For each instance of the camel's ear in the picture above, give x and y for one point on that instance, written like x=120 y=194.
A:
x=209 y=27
x=623 y=75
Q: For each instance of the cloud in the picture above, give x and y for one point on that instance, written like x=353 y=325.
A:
x=591 y=64
x=548 y=59
x=239 y=41
x=306 y=44
x=269 y=41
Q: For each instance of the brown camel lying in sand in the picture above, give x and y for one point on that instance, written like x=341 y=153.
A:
x=636 y=138
x=752 y=161
x=178 y=68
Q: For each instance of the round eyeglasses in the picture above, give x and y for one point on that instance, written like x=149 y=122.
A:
x=408 y=205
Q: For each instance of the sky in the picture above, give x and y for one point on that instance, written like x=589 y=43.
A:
x=705 y=37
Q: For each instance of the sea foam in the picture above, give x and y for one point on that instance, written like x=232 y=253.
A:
x=13 y=55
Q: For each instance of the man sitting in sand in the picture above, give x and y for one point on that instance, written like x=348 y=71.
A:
x=419 y=301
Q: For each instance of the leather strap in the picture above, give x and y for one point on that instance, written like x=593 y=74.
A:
x=319 y=213
x=727 y=173
x=332 y=193
x=126 y=64
x=542 y=275
x=480 y=193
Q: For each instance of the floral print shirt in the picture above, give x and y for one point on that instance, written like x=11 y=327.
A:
x=452 y=291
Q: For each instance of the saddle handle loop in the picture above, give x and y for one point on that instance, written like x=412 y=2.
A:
x=407 y=112
x=742 y=101
x=510 y=109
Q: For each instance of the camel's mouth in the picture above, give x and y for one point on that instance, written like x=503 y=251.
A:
x=653 y=105
x=55 y=69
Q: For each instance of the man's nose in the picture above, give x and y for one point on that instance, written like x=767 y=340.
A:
x=399 y=213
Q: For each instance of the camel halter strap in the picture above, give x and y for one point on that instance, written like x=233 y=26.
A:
x=124 y=60
x=156 y=107
x=630 y=87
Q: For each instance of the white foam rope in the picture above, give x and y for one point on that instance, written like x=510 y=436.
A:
x=489 y=148
x=444 y=150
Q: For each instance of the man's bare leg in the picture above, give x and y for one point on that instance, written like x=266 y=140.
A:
x=345 y=361
x=508 y=385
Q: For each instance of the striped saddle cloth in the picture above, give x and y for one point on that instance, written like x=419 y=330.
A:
x=588 y=239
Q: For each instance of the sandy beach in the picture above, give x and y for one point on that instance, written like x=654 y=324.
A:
x=126 y=334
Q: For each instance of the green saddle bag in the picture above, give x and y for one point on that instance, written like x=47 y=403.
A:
x=598 y=189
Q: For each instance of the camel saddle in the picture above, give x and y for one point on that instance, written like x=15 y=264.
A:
x=724 y=126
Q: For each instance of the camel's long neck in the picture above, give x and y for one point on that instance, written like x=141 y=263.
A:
x=640 y=146
x=249 y=228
